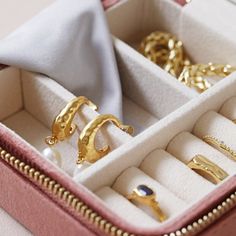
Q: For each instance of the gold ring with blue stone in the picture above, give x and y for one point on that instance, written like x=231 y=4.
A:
x=146 y=196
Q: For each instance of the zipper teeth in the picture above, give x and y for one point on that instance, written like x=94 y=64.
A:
x=207 y=219
x=58 y=190
x=93 y=217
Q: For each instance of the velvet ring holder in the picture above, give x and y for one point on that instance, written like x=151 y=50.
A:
x=172 y=173
x=215 y=128
x=132 y=177
x=229 y=109
x=185 y=146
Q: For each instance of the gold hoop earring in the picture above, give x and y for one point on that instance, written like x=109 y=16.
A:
x=86 y=143
x=63 y=127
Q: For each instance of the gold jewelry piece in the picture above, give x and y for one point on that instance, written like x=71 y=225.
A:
x=86 y=143
x=220 y=146
x=207 y=169
x=146 y=196
x=166 y=51
x=62 y=127
x=192 y=75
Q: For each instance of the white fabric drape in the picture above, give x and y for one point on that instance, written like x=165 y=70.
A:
x=69 y=42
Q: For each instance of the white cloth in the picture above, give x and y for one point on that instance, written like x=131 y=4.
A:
x=70 y=42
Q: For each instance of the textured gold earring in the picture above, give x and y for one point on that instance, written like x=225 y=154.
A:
x=63 y=127
x=86 y=144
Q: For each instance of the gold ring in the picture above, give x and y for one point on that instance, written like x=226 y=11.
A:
x=86 y=142
x=145 y=195
x=220 y=146
x=207 y=169
x=62 y=126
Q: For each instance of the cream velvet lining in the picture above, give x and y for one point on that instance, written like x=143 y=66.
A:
x=229 y=109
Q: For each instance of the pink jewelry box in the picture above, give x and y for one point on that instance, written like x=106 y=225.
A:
x=47 y=201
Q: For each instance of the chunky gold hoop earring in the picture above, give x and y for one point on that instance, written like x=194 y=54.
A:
x=62 y=127
x=86 y=143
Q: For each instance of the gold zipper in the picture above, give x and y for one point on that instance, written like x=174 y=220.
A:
x=93 y=217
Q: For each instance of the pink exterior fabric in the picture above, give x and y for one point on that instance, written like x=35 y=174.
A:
x=225 y=226
x=181 y=2
x=109 y=3
x=35 y=210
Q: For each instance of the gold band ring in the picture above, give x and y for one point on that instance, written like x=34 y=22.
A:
x=220 y=146
x=207 y=169
x=146 y=196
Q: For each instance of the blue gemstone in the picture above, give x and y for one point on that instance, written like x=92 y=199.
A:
x=143 y=190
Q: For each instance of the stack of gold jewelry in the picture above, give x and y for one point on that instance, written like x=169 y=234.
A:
x=63 y=128
x=167 y=51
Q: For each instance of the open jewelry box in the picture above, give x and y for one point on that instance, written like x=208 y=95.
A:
x=48 y=199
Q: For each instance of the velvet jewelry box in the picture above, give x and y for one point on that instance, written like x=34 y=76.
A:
x=170 y=120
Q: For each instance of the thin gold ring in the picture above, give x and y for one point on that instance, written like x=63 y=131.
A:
x=146 y=196
x=207 y=169
x=220 y=146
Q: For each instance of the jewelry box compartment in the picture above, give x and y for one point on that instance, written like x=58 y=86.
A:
x=158 y=158
x=30 y=102
x=199 y=33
